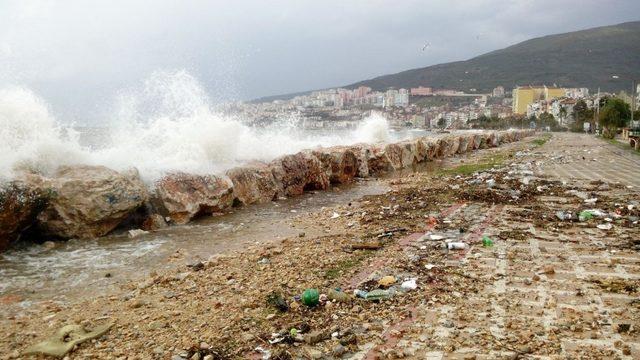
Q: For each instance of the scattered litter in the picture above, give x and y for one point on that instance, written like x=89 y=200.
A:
x=276 y=300
x=338 y=296
x=377 y=295
x=456 y=246
x=429 y=266
x=335 y=215
x=409 y=284
x=486 y=241
x=310 y=297
x=606 y=226
x=374 y=245
x=436 y=237
x=564 y=215
x=585 y=215
x=360 y=293
x=387 y=281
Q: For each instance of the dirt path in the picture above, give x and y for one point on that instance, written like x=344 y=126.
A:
x=547 y=288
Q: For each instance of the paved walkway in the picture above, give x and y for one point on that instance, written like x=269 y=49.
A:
x=581 y=156
x=551 y=292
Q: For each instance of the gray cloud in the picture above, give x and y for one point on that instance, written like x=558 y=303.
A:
x=79 y=54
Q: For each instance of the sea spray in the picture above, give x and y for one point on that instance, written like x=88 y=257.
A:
x=30 y=138
x=166 y=125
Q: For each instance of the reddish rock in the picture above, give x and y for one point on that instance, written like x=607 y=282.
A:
x=299 y=172
x=253 y=184
x=182 y=196
x=153 y=222
x=88 y=201
x=340 y=162
x=19 y=206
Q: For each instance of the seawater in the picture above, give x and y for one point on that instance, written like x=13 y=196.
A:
x=167 y=124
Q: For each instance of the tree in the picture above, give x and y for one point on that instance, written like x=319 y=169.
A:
x=547 y=120
x=563 y=113
x=442 y=122
x=613 y=115
x=579 y=110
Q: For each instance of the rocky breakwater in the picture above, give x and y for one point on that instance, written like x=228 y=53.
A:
x=91 y=201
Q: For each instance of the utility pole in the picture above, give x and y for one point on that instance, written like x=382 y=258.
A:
x=633 y=100
x=597 y=112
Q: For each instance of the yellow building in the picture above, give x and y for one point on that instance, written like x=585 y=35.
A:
x=525 y=95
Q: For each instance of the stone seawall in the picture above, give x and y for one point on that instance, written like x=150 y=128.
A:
x=92 y=201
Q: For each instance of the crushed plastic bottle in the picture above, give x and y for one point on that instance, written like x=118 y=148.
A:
x=378 y=294
x=585 y=215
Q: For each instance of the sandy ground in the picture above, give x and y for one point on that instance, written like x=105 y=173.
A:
x=550 y=286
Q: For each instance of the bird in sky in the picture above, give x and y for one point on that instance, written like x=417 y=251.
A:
x=425 y=46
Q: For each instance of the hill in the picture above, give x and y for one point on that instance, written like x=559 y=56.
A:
x=585 y=58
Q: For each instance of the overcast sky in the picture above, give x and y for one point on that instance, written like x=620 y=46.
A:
x=78 y=54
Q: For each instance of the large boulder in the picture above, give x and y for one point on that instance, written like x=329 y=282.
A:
x=492 y=139
x=362 y=153
x=19 y=206
x=433 y=147
x=299 y=172
x=379 y=161
x=449 y=145
x=465 y=141
x=88 y=201
x=409 y=155
x=395 y=155
x=253 y=184
x=421 y=150
x=182 y=196
x=340 y=162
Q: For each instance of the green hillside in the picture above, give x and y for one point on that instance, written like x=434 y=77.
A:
x=586 y=58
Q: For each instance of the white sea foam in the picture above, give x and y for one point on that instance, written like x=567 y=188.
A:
x=166 y=125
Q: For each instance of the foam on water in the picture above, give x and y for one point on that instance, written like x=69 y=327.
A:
x=168 y=124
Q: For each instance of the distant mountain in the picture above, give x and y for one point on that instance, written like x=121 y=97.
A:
x=587 y=58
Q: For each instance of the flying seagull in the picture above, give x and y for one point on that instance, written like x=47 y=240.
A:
x=425 y=46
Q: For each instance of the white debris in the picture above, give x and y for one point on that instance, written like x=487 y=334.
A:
x=606 y=226
x=136 y=232
x=409 y=284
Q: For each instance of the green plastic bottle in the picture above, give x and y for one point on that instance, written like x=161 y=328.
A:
x=310 y=297
x=486 y=241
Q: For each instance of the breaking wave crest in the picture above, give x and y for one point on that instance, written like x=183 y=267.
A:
x=166 y=125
